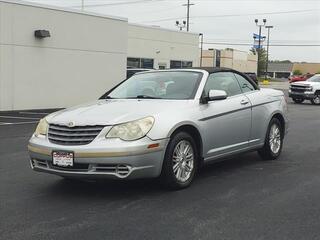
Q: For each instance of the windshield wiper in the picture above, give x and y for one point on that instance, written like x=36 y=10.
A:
x=146 y=97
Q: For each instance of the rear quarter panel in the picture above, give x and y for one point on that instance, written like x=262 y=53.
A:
x=265 y=104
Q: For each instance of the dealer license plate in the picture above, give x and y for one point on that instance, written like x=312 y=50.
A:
x=62 y=159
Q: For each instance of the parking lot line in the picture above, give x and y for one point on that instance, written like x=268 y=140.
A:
x=13 y=117
x=18 y=123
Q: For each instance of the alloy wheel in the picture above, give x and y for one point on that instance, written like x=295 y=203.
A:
x=275 y=138
x=183 y=160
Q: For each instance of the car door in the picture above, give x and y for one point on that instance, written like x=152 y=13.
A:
x=259 y=119
x=226 y=123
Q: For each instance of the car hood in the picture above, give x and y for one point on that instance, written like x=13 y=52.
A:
x=305 y=83
x=115 y=111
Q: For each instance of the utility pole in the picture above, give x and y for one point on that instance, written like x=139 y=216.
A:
x=267 y=63
x=188 y=13
x=201 y=48
x=82 y=5
x=259 y=41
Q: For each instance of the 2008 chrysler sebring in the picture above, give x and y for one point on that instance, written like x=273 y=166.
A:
x=162 y=124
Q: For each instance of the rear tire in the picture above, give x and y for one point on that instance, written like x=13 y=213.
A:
x=273 y=142
x=298 y=100
x=180 y=163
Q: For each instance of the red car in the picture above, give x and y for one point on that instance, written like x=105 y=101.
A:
x=298 y=78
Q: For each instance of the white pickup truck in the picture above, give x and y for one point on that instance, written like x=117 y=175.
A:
x=306 y=90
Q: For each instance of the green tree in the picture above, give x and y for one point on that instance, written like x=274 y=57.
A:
x=297 y=72
x=262 y=60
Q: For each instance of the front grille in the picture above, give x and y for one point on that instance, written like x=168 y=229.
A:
x=77 y=167
x=299 y=88
x=79 y=135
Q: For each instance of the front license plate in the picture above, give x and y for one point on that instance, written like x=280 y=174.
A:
x=62 y=159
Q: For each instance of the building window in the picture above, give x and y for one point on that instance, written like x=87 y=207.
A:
x=180 y=64
x=146 y=63
x=140 y=63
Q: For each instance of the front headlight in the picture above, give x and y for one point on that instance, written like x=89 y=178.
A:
x=131 y=130
x=310 y=88
x=42 y=128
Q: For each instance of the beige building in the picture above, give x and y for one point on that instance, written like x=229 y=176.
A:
x=230 y=58
x=307 y=67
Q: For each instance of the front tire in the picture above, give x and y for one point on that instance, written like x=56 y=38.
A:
x=273 y=142
x=180 y=162
x=298 y=100
x=316 y=99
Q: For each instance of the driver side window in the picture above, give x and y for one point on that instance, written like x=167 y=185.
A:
x=225 y=81
x=245 y=85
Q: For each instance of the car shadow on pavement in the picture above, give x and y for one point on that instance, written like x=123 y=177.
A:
x=118 y=189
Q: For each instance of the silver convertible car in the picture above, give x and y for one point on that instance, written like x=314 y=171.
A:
x=164 y=124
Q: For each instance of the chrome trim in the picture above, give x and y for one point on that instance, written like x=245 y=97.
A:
x=237 y=110
x=227 y=147
x=46 y=151
x=73 y=135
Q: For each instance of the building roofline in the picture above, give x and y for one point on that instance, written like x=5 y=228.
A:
x=62 y=9
x=161 y=28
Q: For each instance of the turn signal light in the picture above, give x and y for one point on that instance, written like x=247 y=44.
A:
x=154 y=145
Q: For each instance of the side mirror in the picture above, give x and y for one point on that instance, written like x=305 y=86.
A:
x=215 y=95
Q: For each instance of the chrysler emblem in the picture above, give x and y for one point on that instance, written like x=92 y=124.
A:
x=71 y=124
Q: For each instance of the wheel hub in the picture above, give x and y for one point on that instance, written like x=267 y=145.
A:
x=183 y=160
x=275 y=139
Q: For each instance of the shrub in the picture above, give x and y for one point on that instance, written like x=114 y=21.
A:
x=297 y=72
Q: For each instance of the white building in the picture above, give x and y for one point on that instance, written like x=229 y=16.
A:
x=85 y=55
x=161 y=48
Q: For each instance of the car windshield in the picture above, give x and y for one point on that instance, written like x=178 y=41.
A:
x=159 y=85
x=315 y=78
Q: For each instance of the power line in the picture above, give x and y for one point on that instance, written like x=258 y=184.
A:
x=237 y=15
x=299 y=41
x=118 y=3
x=273 y=45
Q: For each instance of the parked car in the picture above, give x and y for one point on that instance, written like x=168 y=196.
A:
x=299 y=78
x=253 y=76
x=306 y=90
x=132 y=71
x=162 y=124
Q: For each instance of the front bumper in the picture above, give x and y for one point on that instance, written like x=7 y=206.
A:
x=112 y=158
x=304 y=95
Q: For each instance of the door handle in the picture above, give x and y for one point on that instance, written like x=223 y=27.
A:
x=244 y=102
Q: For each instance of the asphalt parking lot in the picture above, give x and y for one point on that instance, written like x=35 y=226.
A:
x=242 y=198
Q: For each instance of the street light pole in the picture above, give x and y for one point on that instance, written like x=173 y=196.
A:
x=201 y=48
x=267 y=63
x=259 y=42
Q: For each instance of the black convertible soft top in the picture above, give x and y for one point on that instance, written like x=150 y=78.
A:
x=222 y=69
